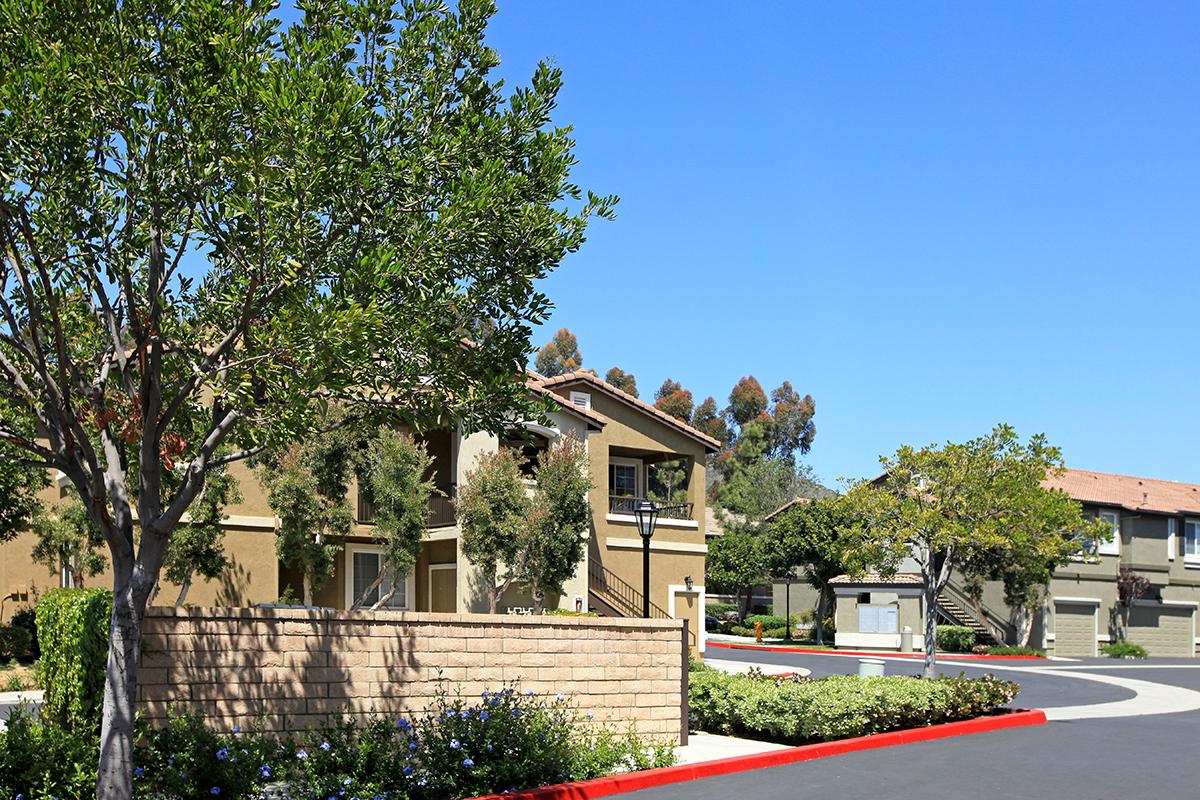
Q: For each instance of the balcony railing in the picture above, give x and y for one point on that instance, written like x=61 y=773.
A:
x=441 y=511
x=627 y=505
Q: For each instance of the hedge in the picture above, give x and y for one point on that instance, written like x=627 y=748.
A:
x=73 y=636
x=802 y=711
x=1124 y=650
x=955 y=638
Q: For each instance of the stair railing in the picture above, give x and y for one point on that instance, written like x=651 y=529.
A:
x=994 y=624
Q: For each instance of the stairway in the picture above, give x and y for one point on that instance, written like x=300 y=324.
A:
x=954 y=614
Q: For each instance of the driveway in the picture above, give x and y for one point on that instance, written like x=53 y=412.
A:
x=1139 y=755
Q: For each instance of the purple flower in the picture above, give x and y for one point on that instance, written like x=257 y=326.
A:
x=326 y=746
x=215 y=790
x=408 y=770
x=464 y=714
x=516 y=712
x=237 y=728
x=468 y=762
x=346 y=782
x=489 y=748
x=483 y=715
x=170 y=760
x=559 y=697
x=222 y=754
x=265 y=771
x=412 y=745
x=302 y=755
x=138 y=772
x=454 y=745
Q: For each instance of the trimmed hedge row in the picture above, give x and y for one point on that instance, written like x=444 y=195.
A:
x=73 y=635
x=799 y=711
x=955 y=638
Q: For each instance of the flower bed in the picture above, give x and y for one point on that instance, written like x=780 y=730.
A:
x=803 y=711
x=504 y=742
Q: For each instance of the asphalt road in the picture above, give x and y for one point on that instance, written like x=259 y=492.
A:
x=1127 y=758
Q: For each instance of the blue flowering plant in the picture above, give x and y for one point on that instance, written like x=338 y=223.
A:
x=189 y=761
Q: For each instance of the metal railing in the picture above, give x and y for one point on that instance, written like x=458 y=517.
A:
x=627 y=505
x=997 y=626
x=441 y=511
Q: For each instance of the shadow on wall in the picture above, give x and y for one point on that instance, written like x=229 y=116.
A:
x=235 y=586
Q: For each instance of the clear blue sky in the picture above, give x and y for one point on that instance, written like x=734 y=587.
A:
x=931 y=217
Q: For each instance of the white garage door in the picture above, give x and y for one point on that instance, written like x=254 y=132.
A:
x=1074 y=629
x=1162 y=630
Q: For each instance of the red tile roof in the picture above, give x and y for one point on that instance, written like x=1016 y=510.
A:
x=580 y=376
x=795 y=501
x=1128 y=492
x=533 y=381
x=875 y=579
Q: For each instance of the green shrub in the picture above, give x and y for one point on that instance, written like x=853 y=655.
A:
x=14 y=642
x=800 y=711
x=1124 y=650
x=760 y=609
x=505 y=741
x=717 y=609
x=955 y=638
x=1014 y=650
x=767 y=620
x=44 y=761
x=73 y=633
x=565 y=612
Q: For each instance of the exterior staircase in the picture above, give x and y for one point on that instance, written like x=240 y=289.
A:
x=953 y=613
x=610 y=595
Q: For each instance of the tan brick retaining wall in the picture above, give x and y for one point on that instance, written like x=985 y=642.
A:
x=293 y=668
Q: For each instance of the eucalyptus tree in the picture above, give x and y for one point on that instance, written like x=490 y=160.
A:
x=212 y=224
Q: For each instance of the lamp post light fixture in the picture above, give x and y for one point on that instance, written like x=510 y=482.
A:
x=646 y=513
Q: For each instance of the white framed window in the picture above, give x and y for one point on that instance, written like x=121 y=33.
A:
x=1113 y=546
x=1171 y=533
x=624 y=477
x=1191 y=541
x=363 y=563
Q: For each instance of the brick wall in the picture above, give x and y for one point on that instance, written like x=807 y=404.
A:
x=292 y=668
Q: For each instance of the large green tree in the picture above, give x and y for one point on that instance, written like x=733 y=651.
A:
x=195 y=548
x=956 y=504
x=735 y=562
x=625 y=381
x=555 y=536
x=815 y=539
x=492 y=511
x=211 y=224
x=671 y=398
x=68 y=541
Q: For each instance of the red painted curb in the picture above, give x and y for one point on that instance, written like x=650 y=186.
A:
x=633 y=781
x=890 y=654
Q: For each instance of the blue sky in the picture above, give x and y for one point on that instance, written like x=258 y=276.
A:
x=932 y=217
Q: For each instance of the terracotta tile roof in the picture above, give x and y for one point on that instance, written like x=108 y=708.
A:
x=534 y=382
x=580 y=376
x=1128 y=492
x=875 y=579
x=795 y=501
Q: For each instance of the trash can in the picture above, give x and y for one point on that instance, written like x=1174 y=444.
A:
x=870 y=667
x=906 y=640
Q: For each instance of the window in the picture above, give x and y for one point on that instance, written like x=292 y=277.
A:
x=1171 y=546
x=1191 y=541
x=364 y=569
x=877 y=619
x=623 y=479
x=1113 y=547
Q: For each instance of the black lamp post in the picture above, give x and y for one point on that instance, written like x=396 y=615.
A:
x=646 y=513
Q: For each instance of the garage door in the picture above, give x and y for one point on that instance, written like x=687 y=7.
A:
x=1162 y=630
x=1074 y=629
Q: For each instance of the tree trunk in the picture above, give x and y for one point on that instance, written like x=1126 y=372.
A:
x=183 y=592
x=115 y=780
x=308 y=588
x=930 y=625
x=749 y=592
x=1025 y=629
x=819 y=622
x=538 y=599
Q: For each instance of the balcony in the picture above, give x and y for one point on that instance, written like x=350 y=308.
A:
x=627 y=505
x=441 y=511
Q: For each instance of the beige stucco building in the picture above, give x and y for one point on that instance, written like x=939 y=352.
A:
x=629 y=445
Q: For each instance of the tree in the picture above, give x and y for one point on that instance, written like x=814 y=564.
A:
x=195 y=548
x=815 y=537
x=560 y=355
x=673 y=399
x=554 y=540
x=944 y=506
x=791 y=426
x=735 y=562
x=307 y=487
x=1131 y=587
x=622 y=380
x=19 y=486
x=492 y=510
x=747 y=401
x=708 y=420
x=68 y=540
x=212 y=224
x=758 y=487
x=393 y=475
